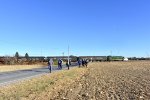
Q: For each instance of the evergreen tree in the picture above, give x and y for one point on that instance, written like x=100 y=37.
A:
x=27 y=56
x=17 y=56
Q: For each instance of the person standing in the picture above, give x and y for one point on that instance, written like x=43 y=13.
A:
x=83 y=62
x=59 y=64
x=79 y=62
x=70 y=62
x=86 y=62
x=67 y=65
x=50 y=64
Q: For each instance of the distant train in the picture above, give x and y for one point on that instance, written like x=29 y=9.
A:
x=103 y=58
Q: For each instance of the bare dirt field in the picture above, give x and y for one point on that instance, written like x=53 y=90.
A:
x=100 y=81
x=111 y=81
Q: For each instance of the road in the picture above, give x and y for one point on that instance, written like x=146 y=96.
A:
x=15 y=76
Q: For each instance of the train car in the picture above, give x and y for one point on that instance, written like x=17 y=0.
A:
x=115 y=58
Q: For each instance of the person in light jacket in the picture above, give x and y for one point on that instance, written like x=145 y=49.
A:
x=50 y=65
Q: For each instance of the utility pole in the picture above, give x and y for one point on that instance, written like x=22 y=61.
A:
x=41 y=56
x=68 y=57
x=41 y=52
x=63 y=55
x=111 y=53
x=147 y=54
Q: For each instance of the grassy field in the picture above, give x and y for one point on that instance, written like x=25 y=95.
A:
x=100 y=81
x=6 y=68
x=41 y=88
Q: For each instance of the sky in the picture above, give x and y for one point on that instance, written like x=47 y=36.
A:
x=89 y=27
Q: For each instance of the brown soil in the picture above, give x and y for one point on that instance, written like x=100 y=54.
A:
x=110 y=81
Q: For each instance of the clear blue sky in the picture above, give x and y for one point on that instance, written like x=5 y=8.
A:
x=90 y=27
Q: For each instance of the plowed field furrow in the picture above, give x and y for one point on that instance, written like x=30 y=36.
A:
x=111 y=81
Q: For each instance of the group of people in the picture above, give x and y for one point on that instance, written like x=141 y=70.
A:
x=50 y=64
x=83 y=62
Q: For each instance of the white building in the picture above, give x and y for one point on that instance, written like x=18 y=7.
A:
x=125 y=59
